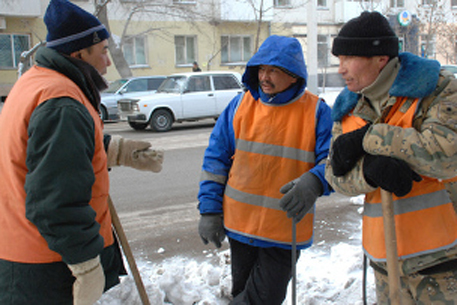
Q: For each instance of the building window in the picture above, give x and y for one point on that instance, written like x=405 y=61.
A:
x=322 y=50
x=428 y=2
x=427 y=46
x=184 y=1
x=185 y=49
x=135 y=51
x=322 y=3
x=401 y=44
x=281 y=3
x=455 y=49
x=454 y=3
x=11 y=48
x=397 y=3
x=235 y=49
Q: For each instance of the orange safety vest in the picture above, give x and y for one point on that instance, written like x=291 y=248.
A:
x=20 y=240
x=425 y=219
x=274 y=145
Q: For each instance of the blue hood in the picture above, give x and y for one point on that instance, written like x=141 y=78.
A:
x=279 y=51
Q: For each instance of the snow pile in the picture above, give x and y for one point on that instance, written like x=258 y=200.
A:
x=325 y=275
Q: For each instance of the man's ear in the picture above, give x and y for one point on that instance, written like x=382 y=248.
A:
x=76 y=54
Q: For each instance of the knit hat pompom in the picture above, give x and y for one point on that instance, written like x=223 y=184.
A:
x=368 y=35
x=70 y=28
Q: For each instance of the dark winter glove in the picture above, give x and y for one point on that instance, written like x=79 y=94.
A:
x=390 y=174
x=211 y=229
x=346 y=150
x=300 y=195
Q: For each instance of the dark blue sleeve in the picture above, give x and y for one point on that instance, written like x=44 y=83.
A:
x=217 y=161
x=324 y=126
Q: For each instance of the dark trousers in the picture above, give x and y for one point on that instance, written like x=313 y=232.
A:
x=260 y=275
x=35 y=284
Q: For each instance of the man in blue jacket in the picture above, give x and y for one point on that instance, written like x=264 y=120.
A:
x=264 y=170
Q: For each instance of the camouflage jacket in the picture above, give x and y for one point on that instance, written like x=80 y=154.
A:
x=430 y=151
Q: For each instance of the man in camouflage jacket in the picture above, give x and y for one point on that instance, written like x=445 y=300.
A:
x=395 y=128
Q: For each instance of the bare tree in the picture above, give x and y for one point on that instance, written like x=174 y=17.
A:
x=115 y=49
x=141 y=10
x=432 y=16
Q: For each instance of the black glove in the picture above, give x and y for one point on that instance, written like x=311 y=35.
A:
x=390 y=174
x=300 y=195
x=346 y=150
x=211 y=229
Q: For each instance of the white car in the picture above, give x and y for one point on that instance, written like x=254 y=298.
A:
x=451 y=68
x=126 y=88
x=182 y=97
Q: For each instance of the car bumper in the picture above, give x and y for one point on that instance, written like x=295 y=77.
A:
x=137 y=118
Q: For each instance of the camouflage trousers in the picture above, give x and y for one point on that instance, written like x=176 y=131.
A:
x=420 y=289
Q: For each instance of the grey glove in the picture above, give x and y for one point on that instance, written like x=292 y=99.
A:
x=211 y=229
x=300 y=195
x=134 y=153
x=90 y=281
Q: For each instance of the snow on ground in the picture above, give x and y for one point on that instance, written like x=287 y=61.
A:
x=324 y=277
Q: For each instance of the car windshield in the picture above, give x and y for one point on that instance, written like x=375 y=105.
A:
x=172 y=84
x=116 y=85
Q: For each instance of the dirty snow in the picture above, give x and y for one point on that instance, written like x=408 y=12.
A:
x=325 y=275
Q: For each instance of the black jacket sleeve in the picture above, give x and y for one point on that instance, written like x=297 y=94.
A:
x=60 y=176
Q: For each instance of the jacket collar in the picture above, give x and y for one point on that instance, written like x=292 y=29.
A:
x=417 y=78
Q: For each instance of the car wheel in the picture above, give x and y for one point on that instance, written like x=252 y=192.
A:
x=138 y=126
x=161 y=120
x=103 y=113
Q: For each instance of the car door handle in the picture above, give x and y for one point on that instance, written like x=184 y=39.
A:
x=210 y=94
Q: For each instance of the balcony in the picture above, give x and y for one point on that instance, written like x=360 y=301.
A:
x=20 y=8
x=346 y=10
x=243 y=10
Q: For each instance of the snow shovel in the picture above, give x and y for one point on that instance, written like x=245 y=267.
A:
x=393 y=270
x=294 y=261
x=128 y=252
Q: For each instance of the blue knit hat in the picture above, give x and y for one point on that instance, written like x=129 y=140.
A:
x=70 y=28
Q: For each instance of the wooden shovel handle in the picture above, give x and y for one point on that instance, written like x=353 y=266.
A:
x=128 y=252
x=390 y=236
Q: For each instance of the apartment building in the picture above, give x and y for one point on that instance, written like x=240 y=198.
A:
x=160 y=37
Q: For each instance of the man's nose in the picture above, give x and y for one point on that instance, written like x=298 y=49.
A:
x=341 y=68
x=264 y=75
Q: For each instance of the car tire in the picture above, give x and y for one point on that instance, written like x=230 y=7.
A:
x=161 y=120
x=138 y=126
x=103 y=113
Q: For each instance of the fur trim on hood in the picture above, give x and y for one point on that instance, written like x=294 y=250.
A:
x=417 y=78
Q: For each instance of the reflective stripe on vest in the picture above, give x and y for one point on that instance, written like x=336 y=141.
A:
x=20 y=240
x=425 y=219
x=274 y=145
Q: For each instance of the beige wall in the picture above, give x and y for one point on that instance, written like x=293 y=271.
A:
x=161 y=48
x=31 y=26
x=160 y=44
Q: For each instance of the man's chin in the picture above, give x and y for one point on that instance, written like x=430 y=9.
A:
x=268 y=90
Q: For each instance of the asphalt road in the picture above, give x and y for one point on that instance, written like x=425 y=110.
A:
x=158 y=210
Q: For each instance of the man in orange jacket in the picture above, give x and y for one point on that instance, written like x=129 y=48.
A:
x=264 y=165
x=56 y=239
x=395 y=129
